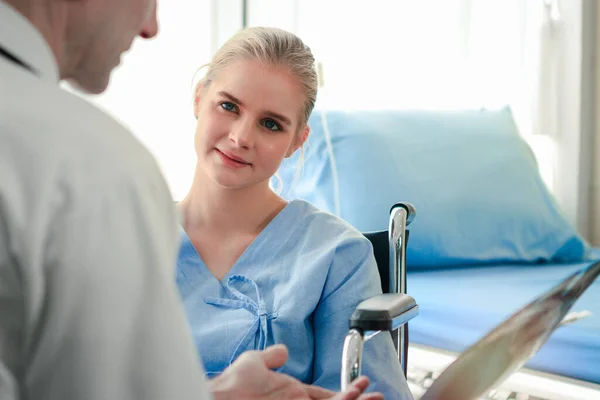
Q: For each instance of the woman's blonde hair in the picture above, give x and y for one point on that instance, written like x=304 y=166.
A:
x=272 y=46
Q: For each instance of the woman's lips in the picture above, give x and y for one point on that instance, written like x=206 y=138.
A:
x=232 y=160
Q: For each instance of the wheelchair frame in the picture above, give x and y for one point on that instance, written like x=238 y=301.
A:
x=386 y=312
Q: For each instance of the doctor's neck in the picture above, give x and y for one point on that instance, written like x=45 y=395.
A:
x=50 y=19
x=228 y=210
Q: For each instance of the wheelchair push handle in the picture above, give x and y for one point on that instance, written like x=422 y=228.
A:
x=410 y=210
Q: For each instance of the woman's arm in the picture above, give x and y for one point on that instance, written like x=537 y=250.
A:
x=353 y=277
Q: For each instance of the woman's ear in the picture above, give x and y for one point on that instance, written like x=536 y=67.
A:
x=304 y=136
x=299 y=141
x=197 y=97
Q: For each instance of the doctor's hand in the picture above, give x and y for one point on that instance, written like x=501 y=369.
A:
x=251 y=377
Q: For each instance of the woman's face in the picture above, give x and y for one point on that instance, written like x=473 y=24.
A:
x=248 y=121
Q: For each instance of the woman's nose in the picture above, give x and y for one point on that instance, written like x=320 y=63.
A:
x=242 y=134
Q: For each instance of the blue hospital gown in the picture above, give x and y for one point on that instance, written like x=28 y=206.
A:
x=297 y=284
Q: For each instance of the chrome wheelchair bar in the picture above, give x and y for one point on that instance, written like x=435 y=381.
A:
x=401 y=215
x=352 y=356
x=385 y=312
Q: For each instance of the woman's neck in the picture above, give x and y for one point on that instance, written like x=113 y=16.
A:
x=223 y=211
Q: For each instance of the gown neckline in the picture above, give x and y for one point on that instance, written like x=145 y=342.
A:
x=268 y=240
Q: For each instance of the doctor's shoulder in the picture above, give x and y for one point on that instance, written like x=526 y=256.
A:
x=61 y=125
x=60 y=140
x=99 y=141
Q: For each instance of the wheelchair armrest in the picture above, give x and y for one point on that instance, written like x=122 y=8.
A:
x=384 y=312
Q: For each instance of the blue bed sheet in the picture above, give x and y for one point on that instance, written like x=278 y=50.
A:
x=458 y=306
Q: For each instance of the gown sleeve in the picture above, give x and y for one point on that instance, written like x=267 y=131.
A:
x=353 y=277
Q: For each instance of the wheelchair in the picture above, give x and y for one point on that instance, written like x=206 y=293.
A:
x=390 y=311
x=504 y=350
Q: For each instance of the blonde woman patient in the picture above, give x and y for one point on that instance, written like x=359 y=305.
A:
x=253 y=269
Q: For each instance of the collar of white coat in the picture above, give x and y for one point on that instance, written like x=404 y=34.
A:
x=20 y=37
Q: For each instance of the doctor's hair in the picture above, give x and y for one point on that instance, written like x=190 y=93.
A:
x=275 y=47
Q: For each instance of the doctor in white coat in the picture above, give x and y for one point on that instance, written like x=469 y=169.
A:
x=88 y=231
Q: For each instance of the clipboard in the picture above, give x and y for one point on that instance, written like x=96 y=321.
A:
x=506 y=348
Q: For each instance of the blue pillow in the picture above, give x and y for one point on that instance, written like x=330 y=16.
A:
x=472 y=178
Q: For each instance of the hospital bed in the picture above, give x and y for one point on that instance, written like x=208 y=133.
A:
x=489 y=237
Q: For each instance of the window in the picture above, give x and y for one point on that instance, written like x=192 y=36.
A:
x=427 y=54
x=406 y=53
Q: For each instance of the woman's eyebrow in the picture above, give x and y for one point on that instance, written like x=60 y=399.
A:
x=280 y=117
x=230 y=97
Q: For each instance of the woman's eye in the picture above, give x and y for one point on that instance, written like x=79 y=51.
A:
x=228 y=106
x=271 y=125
